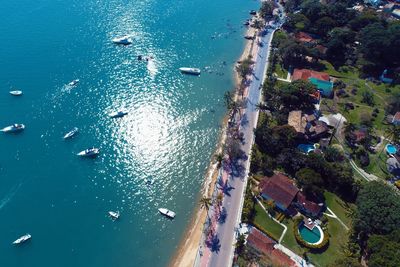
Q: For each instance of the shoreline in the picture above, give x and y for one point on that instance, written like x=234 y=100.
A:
x=186 y=252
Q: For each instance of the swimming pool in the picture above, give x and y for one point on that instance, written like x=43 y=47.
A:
x=306 y=148
x=313 y=236
x=391 y=149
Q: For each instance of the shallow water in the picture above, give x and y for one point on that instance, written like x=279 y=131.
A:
x=168 y=136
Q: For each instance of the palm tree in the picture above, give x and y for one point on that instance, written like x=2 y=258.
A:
x=393 y=133
x=205 y=203
x=219 y=158
x=261 y=106
x=220 y=198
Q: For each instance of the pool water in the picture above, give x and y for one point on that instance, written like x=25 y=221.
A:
x=391 y=149
x=308 y=235
x=306 y=148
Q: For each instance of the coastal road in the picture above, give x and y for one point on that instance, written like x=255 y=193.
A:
x=232 y=203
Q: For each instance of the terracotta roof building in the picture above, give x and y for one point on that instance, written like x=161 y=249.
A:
x=303 y=37
x=265 y=245
x=305 y=74
x=297 y=121
x=320 y=79
x=308 y=207
x=280 y=189
x=396 y=118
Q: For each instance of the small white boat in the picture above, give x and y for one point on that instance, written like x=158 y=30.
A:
x=71 y=133
x=90 y=152
x=13 y=128
x=22 y=239
x=124 y=40
x=114 y=214
x=193 y=71
x=166 y=212
x=73 y=83
x=118 y=114
x=16 y=93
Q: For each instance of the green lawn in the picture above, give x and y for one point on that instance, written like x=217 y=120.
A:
x=381 y=93
x=265 y=222
x=339 y=207
x=338 y=238
x=280 y=71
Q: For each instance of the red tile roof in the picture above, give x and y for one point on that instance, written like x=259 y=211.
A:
x=396 y=116
x=322 y=49
x=304 y=37
x=265 y=245
x=359 y=135
x=260 y=241
x=279 y=188
x=308 y=205
x=304 y=74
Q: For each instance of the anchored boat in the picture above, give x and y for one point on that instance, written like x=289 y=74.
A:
x=71 y=133
x=166 y=212
x=124 y=40
x=16 y=93
x=73 y=83
x=13 y=128
x=22 y=239
x=118 y=114
x=89 y=153
x=193 y=71
x=114 y=214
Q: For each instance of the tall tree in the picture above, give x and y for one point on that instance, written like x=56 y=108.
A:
x=378 y=209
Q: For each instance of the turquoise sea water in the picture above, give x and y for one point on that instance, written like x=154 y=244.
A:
x=168 y=136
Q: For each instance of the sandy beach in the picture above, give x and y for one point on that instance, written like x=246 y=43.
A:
x=187 y=251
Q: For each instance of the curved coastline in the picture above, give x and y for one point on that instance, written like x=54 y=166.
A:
x=186 y=252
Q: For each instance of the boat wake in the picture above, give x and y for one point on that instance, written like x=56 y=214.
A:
x=9 y=196
x=152 y=68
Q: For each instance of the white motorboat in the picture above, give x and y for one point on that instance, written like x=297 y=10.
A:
x=90 y=152
x=124 y=40
x=118 y=114
x=166 y=212
x=16 y=93
x=73 y=83
x=71 y=133
x=193 y=71
x=22 y=239
x=114 y=214
x=13 y=128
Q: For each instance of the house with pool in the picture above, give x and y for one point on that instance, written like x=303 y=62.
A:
x=308 y=126
x=320 y=79
x=287 y=197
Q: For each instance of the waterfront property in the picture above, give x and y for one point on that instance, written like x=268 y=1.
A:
x=320 y=79
x=266 y=247
x=287 y=197
x=307 y=126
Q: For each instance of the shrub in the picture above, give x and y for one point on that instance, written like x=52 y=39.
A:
x=259 y=227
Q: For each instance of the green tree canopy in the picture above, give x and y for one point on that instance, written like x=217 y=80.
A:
x=384 y=250
x=297 y=95
x=266 y=9
x=378 y=209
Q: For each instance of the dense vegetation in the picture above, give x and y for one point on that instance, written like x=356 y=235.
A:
x=363 y=39
x=377 y=224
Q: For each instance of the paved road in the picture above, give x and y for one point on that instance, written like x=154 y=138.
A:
x=232 y=203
